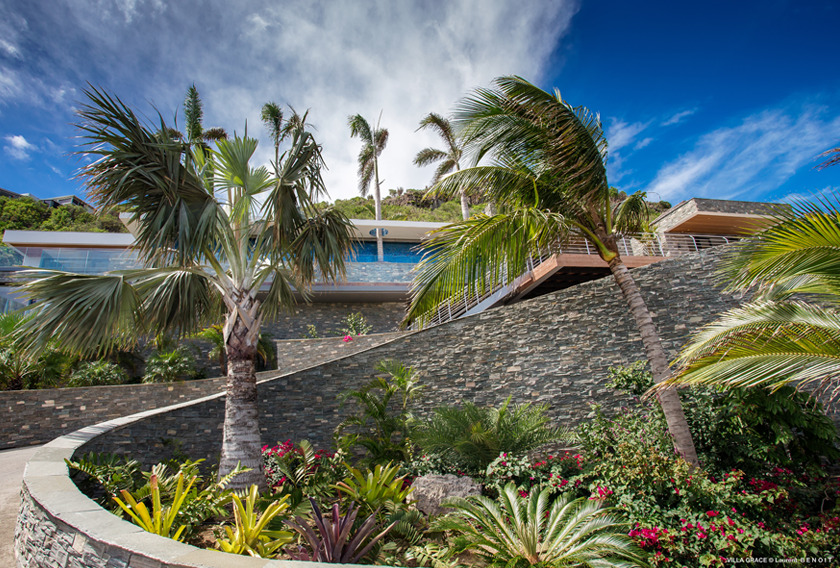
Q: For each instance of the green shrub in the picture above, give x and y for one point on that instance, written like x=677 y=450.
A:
x=300 y=471
x=380 y=423
x=94 y=373
x=474 y=436
x=355 y=324
x=169 y=366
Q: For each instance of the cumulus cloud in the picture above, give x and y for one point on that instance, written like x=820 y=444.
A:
x=18 y=148
x=336 y=58
x=679 y=117
x=749 y=159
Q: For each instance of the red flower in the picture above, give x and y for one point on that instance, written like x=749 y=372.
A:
x=712 y=513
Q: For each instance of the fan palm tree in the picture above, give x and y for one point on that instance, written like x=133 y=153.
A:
x=374 y=141
x=207 y=258
x=449 y=159
x=548 y=178
x=778 y=338
x=521 y=532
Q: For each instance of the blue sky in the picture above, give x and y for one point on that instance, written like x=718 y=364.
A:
x=731 y=100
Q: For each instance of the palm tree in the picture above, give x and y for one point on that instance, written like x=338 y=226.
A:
x=548 y=178
x=207 y=258
x=778 y=338
x=374 y=141
x=194 y=115
x=449 y=159
x=521 y=532
x=278 y=129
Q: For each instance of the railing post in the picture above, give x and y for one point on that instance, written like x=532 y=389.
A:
x=586 y=242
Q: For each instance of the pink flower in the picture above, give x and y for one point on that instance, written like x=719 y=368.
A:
x=712 y=513
x=347 y=338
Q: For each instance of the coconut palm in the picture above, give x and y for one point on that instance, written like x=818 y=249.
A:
x=548 y=178
x=374 y=141
x=208 y=258
x=279 y=129
x=521 y=532
x=778 y=338
x=449 y=159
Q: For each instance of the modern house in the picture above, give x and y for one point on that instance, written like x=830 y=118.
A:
x=382 y=287
x=52 y=201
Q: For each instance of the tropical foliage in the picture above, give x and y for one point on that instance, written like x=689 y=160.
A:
x=96 y=373
x=161 y=519
x=335 y=540
x=449 y=159
x=381 y=422
x=250 y=534
x=547 y=177
x=212 y=230
x=517 y=532
x=789 y=333
x=472 y=436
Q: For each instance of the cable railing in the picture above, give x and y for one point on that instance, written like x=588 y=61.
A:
x=635 y=244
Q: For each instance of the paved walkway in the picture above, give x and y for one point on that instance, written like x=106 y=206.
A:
x=12 y=463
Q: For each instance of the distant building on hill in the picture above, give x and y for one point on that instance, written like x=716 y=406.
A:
x=52 y=201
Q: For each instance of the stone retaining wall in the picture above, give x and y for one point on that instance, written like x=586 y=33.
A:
x=327 y=318
x=59 y=527
x=37 y=416
x=555 y=349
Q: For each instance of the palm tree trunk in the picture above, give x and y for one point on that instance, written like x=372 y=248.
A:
x=669 y=399
x=377 y=198
x=241 y=438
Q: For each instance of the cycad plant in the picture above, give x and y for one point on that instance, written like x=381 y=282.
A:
x=221 y=240
x=789 y=333
x=547 y=177
x=473 y=436
x=520 y=532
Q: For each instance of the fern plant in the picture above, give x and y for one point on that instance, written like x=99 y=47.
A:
x=521 y=532
x=252 y=535
x=111 y=472
x=474 y=436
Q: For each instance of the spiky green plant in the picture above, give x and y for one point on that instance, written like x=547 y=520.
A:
x=161 y=519
x=251 y=535
x=790 y=332
x=474 y=436
x=520 y=532
x=376 y=489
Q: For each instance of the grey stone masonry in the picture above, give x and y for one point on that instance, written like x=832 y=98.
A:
x=686 y=209
x=296 y=354
x=58 y=527
x=555 y=349
x=327 y=318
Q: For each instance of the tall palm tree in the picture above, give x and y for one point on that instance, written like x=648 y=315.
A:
x=207 y=258
x=194 y=117
x=778 y=338
x=374 y=141
x=449 y=159
x=548 y=178
x=279 y=129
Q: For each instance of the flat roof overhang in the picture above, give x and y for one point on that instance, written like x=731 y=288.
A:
x=714 y=223
x=47 y=239
x=374 y=292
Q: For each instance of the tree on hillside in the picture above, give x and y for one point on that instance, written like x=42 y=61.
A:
x=548 y=179
x=208 y=257
x=374 y=141
x=450 y=159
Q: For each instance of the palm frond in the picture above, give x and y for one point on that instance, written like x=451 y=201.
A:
x=322 y=244
x=803 y=240
x=457 y=258
x=632 y=215
x=89 y=315
x=177 y=301
x=272 y=117
x=139 y=173
x=767 y=344
x=428 y=156
x=832 y=158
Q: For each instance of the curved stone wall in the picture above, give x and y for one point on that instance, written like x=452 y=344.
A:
x=59 y=527
x=554 y=349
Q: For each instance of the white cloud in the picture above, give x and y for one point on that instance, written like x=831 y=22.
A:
x=621 y=134
x=18 y=148
x=750 y=159
x=642 y=143
x=679 y=117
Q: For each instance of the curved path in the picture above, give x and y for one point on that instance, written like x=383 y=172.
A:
x=12 y=464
